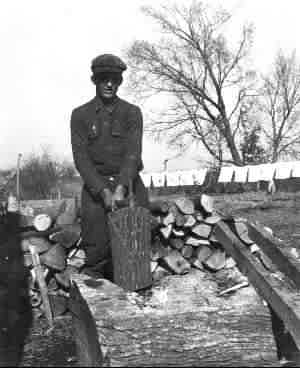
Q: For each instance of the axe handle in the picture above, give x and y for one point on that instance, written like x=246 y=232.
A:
x=42 y=284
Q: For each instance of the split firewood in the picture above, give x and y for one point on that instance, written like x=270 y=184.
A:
x=169 y=219
x=153 y=265
x=42 y=222
x=185 y=205
x=65 y=238
x=178 y=232
x=199 y=216
x=158 y=206
x=40 y=244
x=216 y=261
x=166 y=231
x=196 y=263
x=189 y=221
x=159 y=273
x=212 y=220
x=196 y=242
x=202 y=253
x=241 y=230
x=202 y=230
x=207 y=203
x=254 y=248
x=55 y=258
x=187 y=251
x=204 y=203
x=177 y=263
x=176 y=243
x=179 y=218
x=230 y=262
x=158 y=250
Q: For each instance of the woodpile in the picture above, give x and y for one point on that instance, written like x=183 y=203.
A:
x=49 y=243
x=184 y=237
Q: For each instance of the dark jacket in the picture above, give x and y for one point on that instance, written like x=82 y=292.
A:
x=107 y=148
x=107 y=142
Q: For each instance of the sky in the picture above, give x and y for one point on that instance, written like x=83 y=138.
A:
x=46 y=51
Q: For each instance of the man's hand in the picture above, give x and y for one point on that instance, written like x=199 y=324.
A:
x=107 y=197
x=119 y=193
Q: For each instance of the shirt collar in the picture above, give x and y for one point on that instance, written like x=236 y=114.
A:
x=99 y=105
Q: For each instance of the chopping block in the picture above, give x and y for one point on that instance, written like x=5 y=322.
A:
x=130 y=235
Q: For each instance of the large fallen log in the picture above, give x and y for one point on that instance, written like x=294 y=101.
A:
x=182 y=322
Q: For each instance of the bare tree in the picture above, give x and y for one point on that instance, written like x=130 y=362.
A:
x=280 y=106
x=200 y=73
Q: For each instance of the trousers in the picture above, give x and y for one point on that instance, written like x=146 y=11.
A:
x=95 y=230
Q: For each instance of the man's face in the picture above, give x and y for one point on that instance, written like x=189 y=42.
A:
x=107 y=85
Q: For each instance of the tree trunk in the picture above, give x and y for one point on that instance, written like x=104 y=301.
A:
x=182 y=322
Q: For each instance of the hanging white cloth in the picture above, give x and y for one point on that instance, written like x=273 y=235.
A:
x=267 y=172
x=158 y=179
x=283 y=170
x=254 y=173
x=186 y=177
x=173 y=178
x=146 y=179
x=225 y=174
x=296 y=169
x=199 y=176
x=240 y=174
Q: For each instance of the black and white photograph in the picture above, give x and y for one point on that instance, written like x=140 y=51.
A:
x=150 y=183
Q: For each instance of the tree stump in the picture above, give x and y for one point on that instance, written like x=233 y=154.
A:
x=181 y=321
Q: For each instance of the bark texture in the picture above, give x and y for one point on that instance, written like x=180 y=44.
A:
x=180 y=322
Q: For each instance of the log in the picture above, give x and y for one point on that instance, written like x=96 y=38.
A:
x=182 y=323
x=130 y=235
x=241 y=229
x=176 y=243
x=166 y=231
x=175 y=262
x=185 y=205
x=42 y=222
x=190 y=221
x=276 y=290
x=158 y=250
x=202 y=230
x=216 y=261
x=169 y=219
x=161 y=207
x=202 y=253
x=187 y=251
x=179 y=218
x=196 y=242
x=159 y=273
x=178 y=232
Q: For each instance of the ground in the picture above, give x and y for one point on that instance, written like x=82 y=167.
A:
x=281 y=213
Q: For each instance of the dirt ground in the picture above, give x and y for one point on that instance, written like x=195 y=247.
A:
x=280 y=212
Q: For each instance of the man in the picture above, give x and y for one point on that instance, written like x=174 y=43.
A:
x=106 y=136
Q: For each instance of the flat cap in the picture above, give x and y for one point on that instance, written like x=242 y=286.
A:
x=108 y=63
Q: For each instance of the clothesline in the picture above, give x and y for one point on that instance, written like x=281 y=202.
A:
x=236 y=174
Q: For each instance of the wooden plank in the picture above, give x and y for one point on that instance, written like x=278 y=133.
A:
x=274 y=250
x=278 y=293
